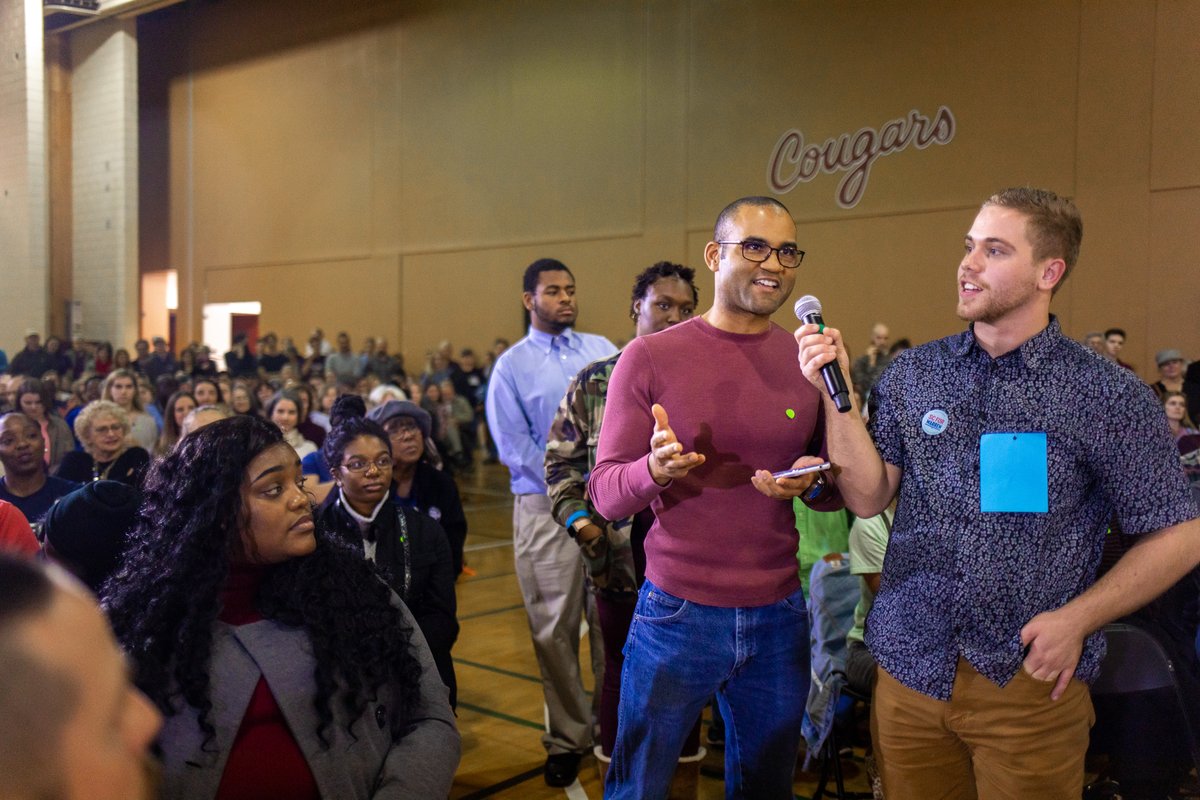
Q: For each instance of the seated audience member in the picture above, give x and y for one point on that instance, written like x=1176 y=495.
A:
x=185 y=366
x=33 y=361
x=72 y=727
x=458 y=420
x=121 y=388
x=34 y=399
x=284 y=411
x=121 y=359
x=201 y=416
x=308 y=429
x=86 y=530
x=242 y=400
x=141 y=358
x=88 y=393
x=867 y=368
x=207 y=392
x=160 y=361
x=314 y=356
x=419 y=482
x=15 y=537
x=149 y=398
x=1114 y=343
x=383 y=365
x=179 y=405
x=164 y=387
x=1170 y=372
x=389 y=391
x=343 y=366
x=270 y=689
x=410 y=550
x=868 y=544
x=25 y=483
x=1094 y=340
x=325 y=400
x=270 y=360
x=240 y=362
x=265 y=391
x=108 y=454
x=61 y=361
x=204 y=365
x=1175 y=407
x=102 y=360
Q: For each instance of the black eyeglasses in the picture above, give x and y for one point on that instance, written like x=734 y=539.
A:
x=789 y=256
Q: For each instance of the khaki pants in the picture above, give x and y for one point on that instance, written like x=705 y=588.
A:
x=987 y=742
x=550 y=572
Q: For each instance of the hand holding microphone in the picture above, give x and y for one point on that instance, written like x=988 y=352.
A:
x=823 y=356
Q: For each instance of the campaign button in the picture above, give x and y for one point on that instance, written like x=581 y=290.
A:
x=935 y=422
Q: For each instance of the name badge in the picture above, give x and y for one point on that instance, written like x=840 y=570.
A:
x=1013 y=474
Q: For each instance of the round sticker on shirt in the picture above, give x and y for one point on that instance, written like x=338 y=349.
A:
x=435 y=513
x=935 y=422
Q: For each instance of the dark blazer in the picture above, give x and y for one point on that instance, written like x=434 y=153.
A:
x=369 y=764
x=430 y=596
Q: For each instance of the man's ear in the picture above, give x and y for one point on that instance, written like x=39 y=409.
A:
x=712 y=256
x=1052 y=273
x=527 y=300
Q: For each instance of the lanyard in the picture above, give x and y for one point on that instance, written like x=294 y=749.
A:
x=407 y=552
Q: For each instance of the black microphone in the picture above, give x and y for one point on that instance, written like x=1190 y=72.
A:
x=808 y=310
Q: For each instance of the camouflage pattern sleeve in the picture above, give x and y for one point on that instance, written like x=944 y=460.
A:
x=567 y=454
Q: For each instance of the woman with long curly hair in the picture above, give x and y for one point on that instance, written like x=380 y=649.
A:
x=284 y=666
x=410 y=549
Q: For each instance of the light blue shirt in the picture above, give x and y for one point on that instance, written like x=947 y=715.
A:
x=526 y=386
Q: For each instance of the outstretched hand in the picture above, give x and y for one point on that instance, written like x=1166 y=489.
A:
x=667 y=460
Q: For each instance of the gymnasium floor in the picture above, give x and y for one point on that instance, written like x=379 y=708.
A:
x=500 y=712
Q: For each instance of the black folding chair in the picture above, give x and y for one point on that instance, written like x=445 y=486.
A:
x=1136 y=662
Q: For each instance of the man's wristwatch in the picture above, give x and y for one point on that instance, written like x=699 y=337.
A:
x=577 y=522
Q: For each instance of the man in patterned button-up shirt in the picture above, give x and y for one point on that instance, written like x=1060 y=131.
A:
x=1012 y=447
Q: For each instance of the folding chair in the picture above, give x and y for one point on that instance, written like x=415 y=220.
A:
x=1136 y=662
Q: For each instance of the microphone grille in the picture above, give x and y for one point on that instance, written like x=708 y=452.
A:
x=807 y=305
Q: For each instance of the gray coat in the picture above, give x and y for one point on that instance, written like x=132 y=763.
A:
x=420 y=765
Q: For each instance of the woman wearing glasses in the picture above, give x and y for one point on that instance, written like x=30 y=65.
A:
x=108 y=454
x=418 y=480
x=409 y=549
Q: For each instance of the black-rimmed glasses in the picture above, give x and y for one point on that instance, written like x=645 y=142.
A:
x=758 y=251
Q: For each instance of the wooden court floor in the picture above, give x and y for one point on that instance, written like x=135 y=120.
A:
x=500 y=712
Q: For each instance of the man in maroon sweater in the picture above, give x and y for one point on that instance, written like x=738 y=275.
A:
x=698 y=417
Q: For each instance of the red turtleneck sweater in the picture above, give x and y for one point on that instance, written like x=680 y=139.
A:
x=265 y=760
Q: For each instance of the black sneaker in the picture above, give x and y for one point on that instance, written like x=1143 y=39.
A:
x=562 y=769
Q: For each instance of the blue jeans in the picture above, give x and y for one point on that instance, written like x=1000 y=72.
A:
x=677 y=656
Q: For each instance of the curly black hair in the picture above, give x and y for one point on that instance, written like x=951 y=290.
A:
x=164 y=600
x=656 y=272
x=349 y=420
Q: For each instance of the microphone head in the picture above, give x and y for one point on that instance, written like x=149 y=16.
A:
x=806 y=305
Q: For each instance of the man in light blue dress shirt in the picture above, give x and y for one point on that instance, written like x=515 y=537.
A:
x=526 y=386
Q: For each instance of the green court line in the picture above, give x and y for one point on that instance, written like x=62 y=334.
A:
x=537 y=726
x=498 y=670
x=491 y=611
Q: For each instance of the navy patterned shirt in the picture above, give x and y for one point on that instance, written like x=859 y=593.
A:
x=961 y=581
